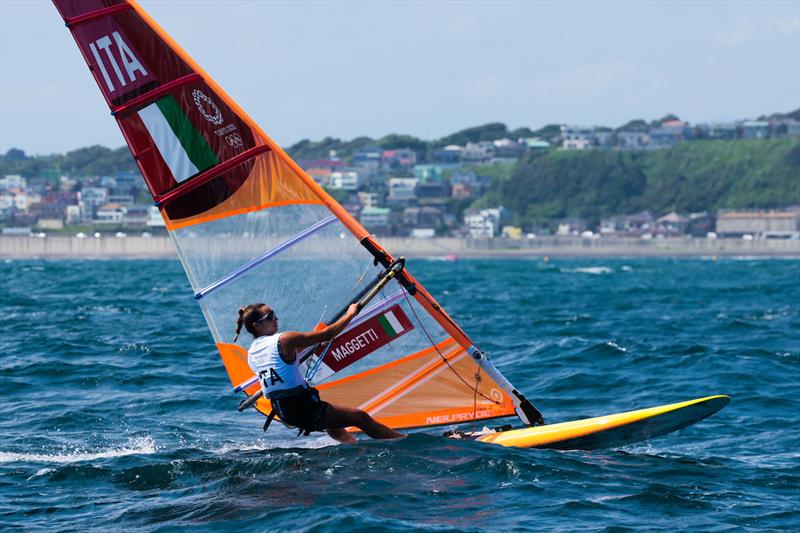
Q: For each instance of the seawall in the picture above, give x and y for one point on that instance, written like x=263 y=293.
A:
x=55 y=247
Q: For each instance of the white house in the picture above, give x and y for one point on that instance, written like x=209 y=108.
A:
x=347 y=180
x=485 y=223
x=110 y=214
x=402 y=190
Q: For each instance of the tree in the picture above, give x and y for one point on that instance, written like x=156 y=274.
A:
x=15 y=154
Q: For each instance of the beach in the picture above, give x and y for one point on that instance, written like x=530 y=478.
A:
x=110 y=247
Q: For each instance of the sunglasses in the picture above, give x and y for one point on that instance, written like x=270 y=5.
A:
x=269 y=316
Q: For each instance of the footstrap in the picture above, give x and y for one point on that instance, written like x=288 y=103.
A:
x=269 y=420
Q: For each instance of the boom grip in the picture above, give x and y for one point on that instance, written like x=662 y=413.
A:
x=250 y=401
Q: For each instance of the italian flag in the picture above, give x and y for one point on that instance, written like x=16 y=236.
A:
x=181 y=145
x=390 y=324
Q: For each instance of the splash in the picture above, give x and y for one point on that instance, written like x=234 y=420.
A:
x=137 y=446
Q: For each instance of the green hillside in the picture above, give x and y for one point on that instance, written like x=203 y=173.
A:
x=90 y=161
x=692 y=176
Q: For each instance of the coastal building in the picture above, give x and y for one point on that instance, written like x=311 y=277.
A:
x=75 y=215
x=508 y=149
x=758 y=224
x=422 y=217
x=701 y=224
x=632 y=140
x=136 y=215
x=449 y=155
x=426 y=173
x=376 y=219
x=638 y=224
x=368 y=199
x=512 y=232
x=399 y=158
x=571 y=226
x=485 y=223
x=331 y=164
x=604 y=138
x=94 y=196
x=481 y=152
x=13 y=181
x=672 y=224
x=536 y=144
x=576 y=144
x=433 y=192
x=577 y=137
x=321 y=175
x=461 y=191
x=469 y=183
x=669 y=134
x=368 y=158
x=154 y=219
x=6 y=207
x=124 y=199
x=346 y=180
x=755 y=129
x=402 y=191
x=612 y=225
x=110 y=214
x=722 y=131
x=422 y=233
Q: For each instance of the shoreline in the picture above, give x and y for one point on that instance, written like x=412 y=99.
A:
x=65 y=247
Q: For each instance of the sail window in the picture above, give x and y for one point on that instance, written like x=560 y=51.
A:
x=288 y=243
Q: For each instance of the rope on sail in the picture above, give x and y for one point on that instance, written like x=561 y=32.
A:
x=446 y=361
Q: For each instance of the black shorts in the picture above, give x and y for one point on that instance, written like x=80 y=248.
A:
x=303 y=410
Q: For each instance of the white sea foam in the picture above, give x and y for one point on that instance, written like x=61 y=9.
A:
x=137 y=446
x=305 y=442
x=590 y=270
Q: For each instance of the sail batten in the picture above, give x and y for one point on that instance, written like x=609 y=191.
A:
x=86 y=17
x=265 y=256
x=250 y=225
x=151 y=96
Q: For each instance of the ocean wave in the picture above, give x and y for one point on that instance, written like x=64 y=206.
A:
x=136 y=446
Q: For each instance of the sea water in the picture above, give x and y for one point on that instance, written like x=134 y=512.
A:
x=116 y=411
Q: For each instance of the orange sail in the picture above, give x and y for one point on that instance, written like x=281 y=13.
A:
x=251 y=226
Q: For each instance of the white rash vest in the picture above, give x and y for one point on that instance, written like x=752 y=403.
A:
x=274 y=374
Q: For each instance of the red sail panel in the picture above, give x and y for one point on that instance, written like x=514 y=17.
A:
x=177 y=123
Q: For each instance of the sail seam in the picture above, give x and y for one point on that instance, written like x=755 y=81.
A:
x=134 y=103
x=72 y=21
x=195 y=220
x=398 y=394
x=409 y=383
x=265 y=256
x=210 y=174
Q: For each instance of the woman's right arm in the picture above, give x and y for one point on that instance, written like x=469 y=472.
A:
x=292 y=341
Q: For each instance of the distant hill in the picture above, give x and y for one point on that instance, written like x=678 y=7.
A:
x=90 y=161
x=692 y=176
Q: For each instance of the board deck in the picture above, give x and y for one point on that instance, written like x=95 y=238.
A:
x=611 y=430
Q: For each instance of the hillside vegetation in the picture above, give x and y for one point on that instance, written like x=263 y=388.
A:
x=692 y=176
x=90 y=161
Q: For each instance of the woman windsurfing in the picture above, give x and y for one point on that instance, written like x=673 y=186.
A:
x=273 y=358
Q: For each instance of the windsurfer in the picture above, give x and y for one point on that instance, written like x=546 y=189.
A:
x=273 y=357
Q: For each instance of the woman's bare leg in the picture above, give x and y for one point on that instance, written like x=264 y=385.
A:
x=339 y=417
x=341 y=435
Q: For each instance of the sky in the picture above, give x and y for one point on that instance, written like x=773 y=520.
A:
x=307 y=70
